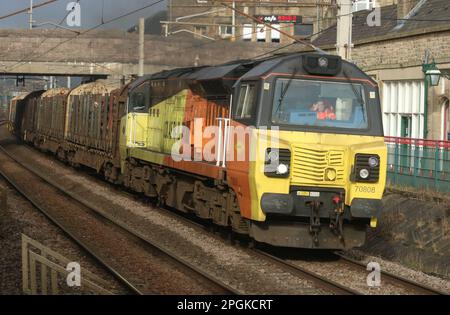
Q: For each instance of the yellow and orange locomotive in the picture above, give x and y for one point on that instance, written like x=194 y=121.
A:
x=288 y=149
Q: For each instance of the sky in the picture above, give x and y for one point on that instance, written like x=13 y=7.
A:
x=91 y=12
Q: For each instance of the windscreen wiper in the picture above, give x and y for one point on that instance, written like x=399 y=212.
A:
x=284 y=89
x=358 y=95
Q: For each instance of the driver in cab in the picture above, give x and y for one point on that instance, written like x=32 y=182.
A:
x=324 y=110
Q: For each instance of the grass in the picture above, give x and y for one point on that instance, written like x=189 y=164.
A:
x=422 y=194
x=417 y=233
x=427 y=195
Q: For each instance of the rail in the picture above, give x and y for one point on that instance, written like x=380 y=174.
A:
x=150 y=243
x=392 y=278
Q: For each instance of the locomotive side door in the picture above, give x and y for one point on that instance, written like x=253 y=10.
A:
x=175 y=108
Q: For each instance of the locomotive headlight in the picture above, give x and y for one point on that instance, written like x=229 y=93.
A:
x=282 y=169
x=367 y=168
x=277 y=162
x=273 y=156
x=374 y=162
x=364 y=173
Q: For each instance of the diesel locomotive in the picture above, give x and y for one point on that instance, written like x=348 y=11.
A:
x=288 y=150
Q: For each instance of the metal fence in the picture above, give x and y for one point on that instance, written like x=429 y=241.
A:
x=419 y=163
x=44 y=272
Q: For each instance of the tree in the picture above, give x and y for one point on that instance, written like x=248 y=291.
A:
x=152 y=24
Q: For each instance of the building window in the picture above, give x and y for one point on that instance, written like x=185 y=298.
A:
x=200 y=30
x=359 y=5
x=403 y=108
x=261 y=33
x=445 y=121
x=226 y=30
x=247 y=32
x=303 y=30
x=275 y=34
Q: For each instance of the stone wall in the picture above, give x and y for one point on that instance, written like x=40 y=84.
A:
x=401 y=50
x=402 y=59
x=119 y=47
x=180 y=8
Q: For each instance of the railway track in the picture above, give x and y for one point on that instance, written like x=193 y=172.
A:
x=56 y=222
x=318 y=280
x=391 y=278
x=221 y=288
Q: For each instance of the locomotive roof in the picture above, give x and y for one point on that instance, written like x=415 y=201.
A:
x=244 y=69
x=289 y=63
x=166 y=74
x=214 y=72
x=232 y=69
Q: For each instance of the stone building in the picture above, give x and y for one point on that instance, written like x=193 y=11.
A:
x=210 y=19
x=412 y=33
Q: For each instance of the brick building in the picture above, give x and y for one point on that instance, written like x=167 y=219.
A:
x=210 y=19
x=394 y=54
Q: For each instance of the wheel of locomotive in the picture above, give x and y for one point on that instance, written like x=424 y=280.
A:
x=107 y=171
x=61 y=154
x=36 y=143
x=71 y=159
x=110 y=173
x=231 y=238
x=160 y=201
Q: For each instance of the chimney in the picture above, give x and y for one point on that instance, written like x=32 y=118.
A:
x=405 y=6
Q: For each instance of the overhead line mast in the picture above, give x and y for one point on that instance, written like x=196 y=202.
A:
x=344 y=29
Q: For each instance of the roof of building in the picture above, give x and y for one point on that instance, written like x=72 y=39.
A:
x=430 y=14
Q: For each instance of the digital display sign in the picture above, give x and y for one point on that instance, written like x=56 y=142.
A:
x=276 y=19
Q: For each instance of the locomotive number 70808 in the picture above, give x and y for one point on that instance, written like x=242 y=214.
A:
x=365 y=189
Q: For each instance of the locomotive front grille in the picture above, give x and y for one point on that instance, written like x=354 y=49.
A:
x=313 y=165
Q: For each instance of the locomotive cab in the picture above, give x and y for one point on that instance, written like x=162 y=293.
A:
x=317 y=174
